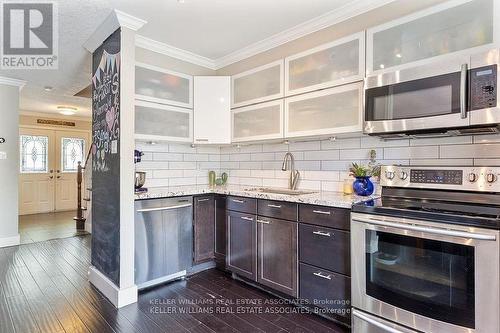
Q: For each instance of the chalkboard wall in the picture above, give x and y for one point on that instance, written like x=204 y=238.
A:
x=106 y=158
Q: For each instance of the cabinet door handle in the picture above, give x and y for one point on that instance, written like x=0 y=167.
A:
x=263 y=222
x=238 y=201
x=203 y=200
x=274 y=206
x=321 y=275
x=247 y=218
x=321 y=233
x=322 y=212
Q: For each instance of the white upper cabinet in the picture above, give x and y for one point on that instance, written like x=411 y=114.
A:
x=339 y=62
x=257 y=85
x=258 y=122
x=212 y=110
x=163 y=122
x=453 y=27
x=159 y=85
x=325 y=112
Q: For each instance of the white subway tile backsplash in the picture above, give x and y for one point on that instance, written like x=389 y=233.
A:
x=323 y=164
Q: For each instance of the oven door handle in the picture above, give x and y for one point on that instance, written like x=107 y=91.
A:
x=463 y=91
x=429 y=230
x=374 y=322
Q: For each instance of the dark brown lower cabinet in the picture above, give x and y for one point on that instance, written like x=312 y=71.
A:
x=220 y=231
x=327 y=290
x=277 y=254
x=204 y=228
x=241 y=244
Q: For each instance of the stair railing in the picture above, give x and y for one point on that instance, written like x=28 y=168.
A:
x=79 y=218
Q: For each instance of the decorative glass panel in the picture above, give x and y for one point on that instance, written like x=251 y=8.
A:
x=73 y=150
x=34 y=153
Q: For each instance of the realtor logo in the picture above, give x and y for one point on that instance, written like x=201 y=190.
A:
x=29 y=35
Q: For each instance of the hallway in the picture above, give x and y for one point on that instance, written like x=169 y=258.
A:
x=41 y=227
x=44 y=288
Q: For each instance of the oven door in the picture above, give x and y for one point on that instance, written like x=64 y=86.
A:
x=416 y=99
x=424 y=275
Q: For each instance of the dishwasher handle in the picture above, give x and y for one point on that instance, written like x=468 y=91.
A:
x=157 y=209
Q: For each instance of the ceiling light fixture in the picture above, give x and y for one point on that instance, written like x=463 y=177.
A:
x=382 y=66
x=399 y=55
x=67 y=110
x=181 y=1
x=48 y=88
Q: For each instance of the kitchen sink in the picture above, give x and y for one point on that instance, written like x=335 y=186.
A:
x=279 y=191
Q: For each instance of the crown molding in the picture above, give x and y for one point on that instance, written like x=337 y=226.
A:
x=12 y=82
x=113 y=22
x=347 y=11
x=174 y=52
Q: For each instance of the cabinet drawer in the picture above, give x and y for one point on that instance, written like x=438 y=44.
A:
x=315 y=242
x=325 y=216
x=325 y=289
x=242 y=204
x=278 y=209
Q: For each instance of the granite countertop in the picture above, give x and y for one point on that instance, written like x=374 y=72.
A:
x=321 y=198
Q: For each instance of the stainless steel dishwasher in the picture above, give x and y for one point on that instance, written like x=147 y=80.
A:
x=163 y=240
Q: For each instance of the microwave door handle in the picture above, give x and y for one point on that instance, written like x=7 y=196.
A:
x=428 y=230
x=463 y=91
x=376 y=323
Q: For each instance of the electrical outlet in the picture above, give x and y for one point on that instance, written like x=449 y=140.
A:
x=3 y=155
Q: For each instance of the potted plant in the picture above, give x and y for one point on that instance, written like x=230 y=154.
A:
x=363 y=185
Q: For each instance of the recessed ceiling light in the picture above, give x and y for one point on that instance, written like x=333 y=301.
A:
x=47 y=88
x=67 y=110
x=382 y=66
x=399 y=55
x=181 y=1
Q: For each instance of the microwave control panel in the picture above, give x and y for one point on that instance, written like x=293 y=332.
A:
x=483 y=87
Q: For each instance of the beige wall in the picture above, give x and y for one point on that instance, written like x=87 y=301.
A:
x=28 y=120
x=364 y=21
x=164 y=61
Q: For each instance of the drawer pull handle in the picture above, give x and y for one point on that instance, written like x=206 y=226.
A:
x=274 y=206
x=322 y=212
x=263 y=222
x=203 y=200
x=321 y=275
x=247 y=218
x=238 y=201
x=321 y=233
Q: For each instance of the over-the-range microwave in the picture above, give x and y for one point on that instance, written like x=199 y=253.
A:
x=456 y=96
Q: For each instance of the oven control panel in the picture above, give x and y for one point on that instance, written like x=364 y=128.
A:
x=425 y=176
x=483 y=87
x=452 y=178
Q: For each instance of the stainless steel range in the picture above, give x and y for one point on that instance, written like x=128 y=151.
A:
x=426 y=255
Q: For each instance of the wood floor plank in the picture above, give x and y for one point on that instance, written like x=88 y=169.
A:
x=22 y=318
x=6 y=324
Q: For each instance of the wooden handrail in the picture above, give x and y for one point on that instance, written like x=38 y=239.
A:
x=79 y=218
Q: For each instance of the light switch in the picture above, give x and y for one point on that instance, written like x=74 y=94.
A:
x=3 y=155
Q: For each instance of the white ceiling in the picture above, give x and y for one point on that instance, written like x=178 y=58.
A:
x=209 y=28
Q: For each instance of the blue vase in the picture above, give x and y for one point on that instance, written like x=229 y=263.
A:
x=363 y=186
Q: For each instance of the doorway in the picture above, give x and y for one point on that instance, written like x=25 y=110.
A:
x=48 y=169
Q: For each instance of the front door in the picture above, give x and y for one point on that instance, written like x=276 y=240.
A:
x=48 y=167
x=36 y=178
x=71 y=148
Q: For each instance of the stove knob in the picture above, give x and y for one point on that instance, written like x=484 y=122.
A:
x=491 y=178
x=390 y=175
x=403 y=175
x=472 y=177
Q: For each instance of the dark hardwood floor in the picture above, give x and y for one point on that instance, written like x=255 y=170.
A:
x=44 y=288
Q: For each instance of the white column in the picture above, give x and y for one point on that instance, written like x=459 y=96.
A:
x=9 y=161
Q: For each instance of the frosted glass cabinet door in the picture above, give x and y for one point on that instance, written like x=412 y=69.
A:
x=162 y=122
x=330 y=111
x=339 y=62
x=455 y=26
x=156 y=84
x=257 y=85
x=258 y=122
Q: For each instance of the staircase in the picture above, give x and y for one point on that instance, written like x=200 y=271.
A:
x=84 y=181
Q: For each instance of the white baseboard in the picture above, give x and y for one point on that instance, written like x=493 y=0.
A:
x=119 y=297
x=10 y=241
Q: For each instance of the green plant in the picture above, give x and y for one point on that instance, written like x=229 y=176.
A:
x=357 y=170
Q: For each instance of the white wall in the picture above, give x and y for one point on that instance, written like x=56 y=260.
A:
x=323 y=164
x=9 y=168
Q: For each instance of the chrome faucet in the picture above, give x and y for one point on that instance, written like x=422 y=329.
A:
x=294 y=174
